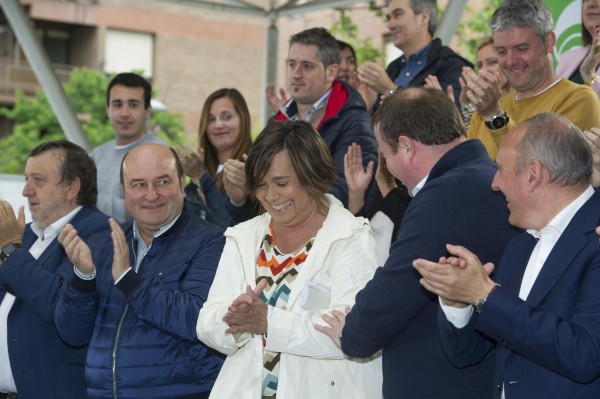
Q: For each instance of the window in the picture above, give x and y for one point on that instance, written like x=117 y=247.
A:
x=129 y=51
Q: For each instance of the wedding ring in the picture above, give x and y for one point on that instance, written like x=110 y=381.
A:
x=597 y=49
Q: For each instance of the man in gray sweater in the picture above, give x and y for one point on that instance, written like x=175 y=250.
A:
x=128 y=108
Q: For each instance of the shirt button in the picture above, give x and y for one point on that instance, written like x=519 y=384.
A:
x=407 y=73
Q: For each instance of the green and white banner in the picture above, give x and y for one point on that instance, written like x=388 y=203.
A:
x=567 y=24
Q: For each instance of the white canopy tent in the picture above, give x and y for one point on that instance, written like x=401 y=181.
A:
x=270 y=9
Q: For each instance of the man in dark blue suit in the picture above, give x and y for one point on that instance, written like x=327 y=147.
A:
x=542 y=310
x=421 y=135
x=60 y=188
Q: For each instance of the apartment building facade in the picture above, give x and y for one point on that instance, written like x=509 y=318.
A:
x=186 y=51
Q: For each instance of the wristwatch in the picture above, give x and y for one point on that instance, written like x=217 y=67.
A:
x=7 y=250
x=497 y=121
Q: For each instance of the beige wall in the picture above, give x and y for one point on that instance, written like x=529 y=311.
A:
x=195 y=51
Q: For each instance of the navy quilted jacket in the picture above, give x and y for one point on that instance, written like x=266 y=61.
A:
x=142 y=331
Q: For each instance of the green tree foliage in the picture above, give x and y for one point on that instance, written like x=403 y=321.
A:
x=345 y=29
x=469 y=32
x=34 y=121
x=473 y=30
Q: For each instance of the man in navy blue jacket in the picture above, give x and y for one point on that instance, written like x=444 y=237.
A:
x=60 y=188
x=541 y=311
x=136 y=302
x=412 y=24
x=334 y=108
x=420 y=134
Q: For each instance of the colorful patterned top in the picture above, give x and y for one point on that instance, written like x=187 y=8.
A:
x=280 y=270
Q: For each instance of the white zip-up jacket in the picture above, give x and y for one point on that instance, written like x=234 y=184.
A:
x=342 y=259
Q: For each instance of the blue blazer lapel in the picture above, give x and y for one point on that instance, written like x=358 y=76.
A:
x=513 y=265
x=569 y=245
x=29 y=237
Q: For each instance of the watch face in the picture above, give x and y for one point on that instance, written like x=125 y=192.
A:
x=498 y=122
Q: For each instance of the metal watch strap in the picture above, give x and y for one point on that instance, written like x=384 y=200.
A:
x=481 y=301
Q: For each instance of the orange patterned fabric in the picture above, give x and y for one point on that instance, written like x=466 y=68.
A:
x=280 y=270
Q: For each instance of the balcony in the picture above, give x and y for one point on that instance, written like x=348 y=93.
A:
x=16 y=75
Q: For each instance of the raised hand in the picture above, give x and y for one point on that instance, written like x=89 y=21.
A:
x=484 y=91
x=432 y=81
x=193 y=162
x=77 y=251
x=458 y=278
x=358 y=178
x=375 y=76
x=275 y=102
x=234 y=180
x=11 y=227
x=120 y=250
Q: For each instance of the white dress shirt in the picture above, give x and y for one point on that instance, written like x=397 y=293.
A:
x=45 y=237
x=547 y=238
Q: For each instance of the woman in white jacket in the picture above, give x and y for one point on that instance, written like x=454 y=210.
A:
x=305 y=256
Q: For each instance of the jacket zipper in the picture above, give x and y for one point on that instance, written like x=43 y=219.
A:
x=118 y=334
x=114 y=353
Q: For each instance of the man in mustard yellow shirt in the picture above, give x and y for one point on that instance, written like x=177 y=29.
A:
x=524 y=38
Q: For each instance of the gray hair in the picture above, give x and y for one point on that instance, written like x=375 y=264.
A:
x=419 y=5
x=329 y=49
x=523 y=14
x=559 y=146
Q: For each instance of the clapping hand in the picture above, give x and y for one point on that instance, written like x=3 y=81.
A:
x=248 y=312
x=77 y=250
x=358 y=178
x=11 y=228
x=192 y=162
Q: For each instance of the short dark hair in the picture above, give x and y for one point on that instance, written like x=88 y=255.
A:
x=308 y=154
x=559 y=146
x=130 y=80
x=76 y=164
x=178 y=166
x=329 y=50
x=423 y=114
x=343 y=46
x=523 y=14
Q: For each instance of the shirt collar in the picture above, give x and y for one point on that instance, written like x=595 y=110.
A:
x=420 y=55
x=161 y=231
x=559 y=223
x=56 y=227
x=419 y=186
x=321 y=102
